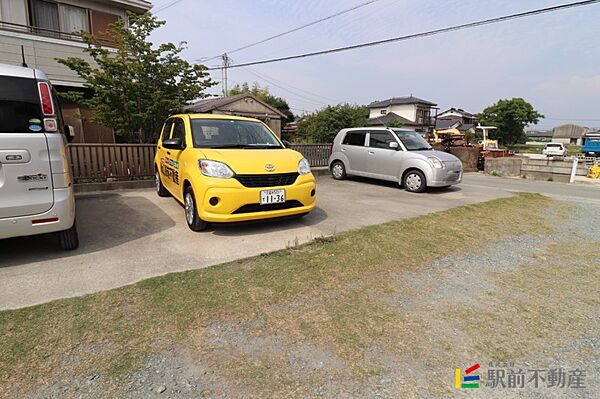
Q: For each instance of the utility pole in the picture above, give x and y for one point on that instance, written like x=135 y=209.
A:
x=226 y=60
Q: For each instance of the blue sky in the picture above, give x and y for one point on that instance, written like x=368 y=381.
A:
x=552 y=60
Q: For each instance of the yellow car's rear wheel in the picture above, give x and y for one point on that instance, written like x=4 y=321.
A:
x=160 y=189
x=191 y=211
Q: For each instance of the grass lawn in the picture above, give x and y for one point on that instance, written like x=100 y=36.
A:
x=329 y=294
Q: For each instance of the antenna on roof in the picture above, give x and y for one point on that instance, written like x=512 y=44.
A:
x=24 y=64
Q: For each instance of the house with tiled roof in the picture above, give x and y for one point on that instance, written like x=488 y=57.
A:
x=244 y=104
x=412 y=112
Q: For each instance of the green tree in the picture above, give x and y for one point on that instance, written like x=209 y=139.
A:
x=511 y=117
x=323 y=125
x=136 y=85
x=263 y=94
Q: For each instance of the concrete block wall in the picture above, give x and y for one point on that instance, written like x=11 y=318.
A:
x=559 y=166
x=557 y=169
x=510 y=166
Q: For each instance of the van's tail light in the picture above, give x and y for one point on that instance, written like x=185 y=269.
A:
x=46 y=99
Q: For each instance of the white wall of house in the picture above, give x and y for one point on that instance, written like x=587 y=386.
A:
x=408 y=111
x=40 y=52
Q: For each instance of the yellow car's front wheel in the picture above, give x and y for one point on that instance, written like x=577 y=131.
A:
x=191 y=211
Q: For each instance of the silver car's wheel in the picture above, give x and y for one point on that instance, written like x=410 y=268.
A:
x=414 y=181
x=338 y=171
x=189 y=208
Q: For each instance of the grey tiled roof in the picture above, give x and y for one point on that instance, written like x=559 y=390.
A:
x=211 y=104
x=447 y=123
x=400 y=100
x=466 y=126
x=387 y=118
x=568 y=131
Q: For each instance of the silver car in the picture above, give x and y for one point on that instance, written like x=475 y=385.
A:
x=399 y=155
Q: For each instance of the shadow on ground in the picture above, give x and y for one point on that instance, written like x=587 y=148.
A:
x=104 y=221
x=391 y=184
x=267 y=225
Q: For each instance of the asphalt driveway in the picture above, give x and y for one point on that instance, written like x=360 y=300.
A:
x=128 y=236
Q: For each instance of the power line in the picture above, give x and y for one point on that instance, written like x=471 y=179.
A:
x=337 y=14
x=300 y=96
x=165 y=6
x=422 y=34
x=267 y=78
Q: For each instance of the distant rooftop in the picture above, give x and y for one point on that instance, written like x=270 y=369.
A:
x=400 y=100
x=387 y=118
x=459 y=111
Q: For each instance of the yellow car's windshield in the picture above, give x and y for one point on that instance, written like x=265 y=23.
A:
x=227 y=133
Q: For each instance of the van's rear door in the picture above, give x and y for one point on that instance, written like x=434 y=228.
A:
x=25 y=174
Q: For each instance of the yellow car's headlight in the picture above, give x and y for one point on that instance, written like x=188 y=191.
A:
x=303 y=167
x=215 y=169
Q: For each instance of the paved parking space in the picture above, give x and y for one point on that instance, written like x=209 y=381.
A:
x=127 y=236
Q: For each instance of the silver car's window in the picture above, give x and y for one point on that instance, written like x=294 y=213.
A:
x=412 y=140
x=380 y=139
x=355 y=138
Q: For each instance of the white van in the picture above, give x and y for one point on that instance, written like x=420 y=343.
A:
x=36 y=186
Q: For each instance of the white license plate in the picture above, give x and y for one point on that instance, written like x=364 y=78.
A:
x=272 y=197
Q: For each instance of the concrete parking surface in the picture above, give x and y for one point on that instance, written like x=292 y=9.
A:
x=128 y=236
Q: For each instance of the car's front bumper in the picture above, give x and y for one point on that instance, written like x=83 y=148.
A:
x=238 y=203
x=446 y=177
x=63 y=209
x=554 y=154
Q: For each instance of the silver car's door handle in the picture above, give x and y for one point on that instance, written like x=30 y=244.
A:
x=371 y=152
x=343 y=150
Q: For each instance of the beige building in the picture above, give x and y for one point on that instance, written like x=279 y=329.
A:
x=244 y=104
x=46 y=29
x=569 y=134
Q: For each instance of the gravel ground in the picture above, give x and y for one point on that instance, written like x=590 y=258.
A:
x=446 y=299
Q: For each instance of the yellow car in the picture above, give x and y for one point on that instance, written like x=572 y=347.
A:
x=230 y=169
